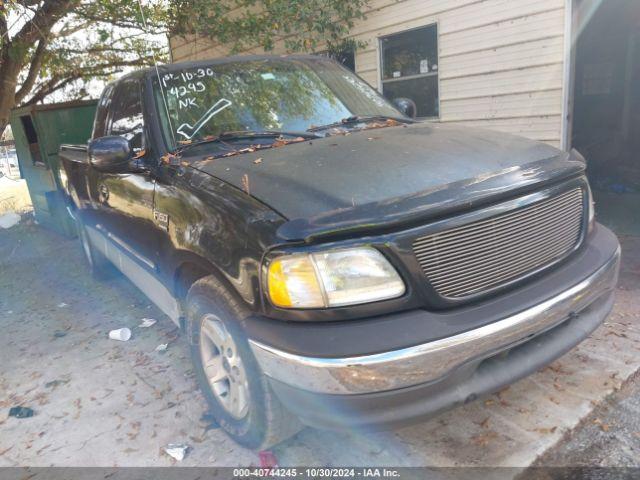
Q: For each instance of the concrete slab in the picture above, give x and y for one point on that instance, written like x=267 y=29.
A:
x=100 y=402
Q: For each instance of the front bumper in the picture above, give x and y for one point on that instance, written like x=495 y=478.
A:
x=417 y=381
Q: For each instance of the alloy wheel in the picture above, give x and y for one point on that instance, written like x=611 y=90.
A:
x=223 y=367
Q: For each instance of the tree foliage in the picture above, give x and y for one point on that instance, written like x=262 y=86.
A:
x=303 y=25
x=48 y=46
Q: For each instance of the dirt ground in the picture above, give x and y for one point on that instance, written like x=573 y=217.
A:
x=99 y=402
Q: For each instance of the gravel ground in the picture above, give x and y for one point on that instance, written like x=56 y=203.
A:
x=103 y=403
x=608 y=437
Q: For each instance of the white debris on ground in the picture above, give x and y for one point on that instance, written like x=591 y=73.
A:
x=147 y=322
x=162 y=347
x=176 y=450
x=9 y=219
x=121 y=334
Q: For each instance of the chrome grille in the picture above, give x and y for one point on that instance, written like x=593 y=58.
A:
x=486 y=254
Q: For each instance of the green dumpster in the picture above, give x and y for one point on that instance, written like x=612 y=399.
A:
x=39 y=130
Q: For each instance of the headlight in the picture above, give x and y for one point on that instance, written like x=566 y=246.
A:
x=332 y=278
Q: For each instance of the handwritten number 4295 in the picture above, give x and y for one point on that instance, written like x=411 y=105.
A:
x=182 y=90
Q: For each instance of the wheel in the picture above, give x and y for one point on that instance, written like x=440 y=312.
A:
x=101 y=268
x=239 y=395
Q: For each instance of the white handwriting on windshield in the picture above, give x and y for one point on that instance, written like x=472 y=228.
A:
x=186 y=76
x=182 y=90
x=188 y=131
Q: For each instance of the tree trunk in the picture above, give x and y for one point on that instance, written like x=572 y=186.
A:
x=13 y=51
x=8 y=82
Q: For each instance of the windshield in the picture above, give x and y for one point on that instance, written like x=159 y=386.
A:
x=290 y=95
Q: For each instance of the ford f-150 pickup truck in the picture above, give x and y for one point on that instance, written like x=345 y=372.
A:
x=331 y=261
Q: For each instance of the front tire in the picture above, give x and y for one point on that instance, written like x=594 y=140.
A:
x=239 y=395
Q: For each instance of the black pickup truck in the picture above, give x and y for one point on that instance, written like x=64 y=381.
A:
x=331 y=261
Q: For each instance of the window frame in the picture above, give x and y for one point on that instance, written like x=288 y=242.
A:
x=327 y=54
x=115 y=97
x=436 y=74
x=100 y=125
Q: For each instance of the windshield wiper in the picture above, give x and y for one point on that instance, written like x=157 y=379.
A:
x=355 y=119
x=242 y=134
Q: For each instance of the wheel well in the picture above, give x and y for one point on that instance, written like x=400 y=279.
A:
x=186 y=275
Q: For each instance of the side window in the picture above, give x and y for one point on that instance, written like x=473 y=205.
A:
x=100 y=123
x=126 y=114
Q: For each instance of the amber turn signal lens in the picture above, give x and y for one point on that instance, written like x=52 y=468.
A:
x=332 y=278
x=292 y=283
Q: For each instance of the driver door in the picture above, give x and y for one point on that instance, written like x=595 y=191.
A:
x=123 y=202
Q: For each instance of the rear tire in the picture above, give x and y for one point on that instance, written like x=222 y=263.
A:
x=101 y=268
x=239 y=395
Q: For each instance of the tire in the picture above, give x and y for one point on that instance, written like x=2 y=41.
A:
x=220 y=351
x=101 y=268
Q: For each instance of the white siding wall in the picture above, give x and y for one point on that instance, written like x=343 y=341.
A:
x=500 y=61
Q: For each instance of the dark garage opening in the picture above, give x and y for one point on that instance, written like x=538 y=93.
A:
x=606 y=120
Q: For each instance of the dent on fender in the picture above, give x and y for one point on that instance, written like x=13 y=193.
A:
x=205 y=219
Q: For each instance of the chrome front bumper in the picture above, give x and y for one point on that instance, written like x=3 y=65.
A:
x=431 y=361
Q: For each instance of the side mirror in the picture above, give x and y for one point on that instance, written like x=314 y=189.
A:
x=110 y=154
x=406 y=106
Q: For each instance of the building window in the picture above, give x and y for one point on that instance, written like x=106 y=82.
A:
x=410 y=68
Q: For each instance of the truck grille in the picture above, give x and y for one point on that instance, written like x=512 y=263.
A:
x=486 y=254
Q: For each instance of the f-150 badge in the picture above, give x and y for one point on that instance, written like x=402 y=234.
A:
x=162 y=219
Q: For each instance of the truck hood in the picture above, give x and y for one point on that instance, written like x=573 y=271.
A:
x=381 y=177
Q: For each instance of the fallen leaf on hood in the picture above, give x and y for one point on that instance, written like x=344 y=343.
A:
x=245 y=184
x=168 y=158
x=247 y=150
x=387 y=123
x=140 y=154
x=281 y=141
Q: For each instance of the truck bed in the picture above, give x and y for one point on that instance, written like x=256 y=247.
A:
x=74 y=162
